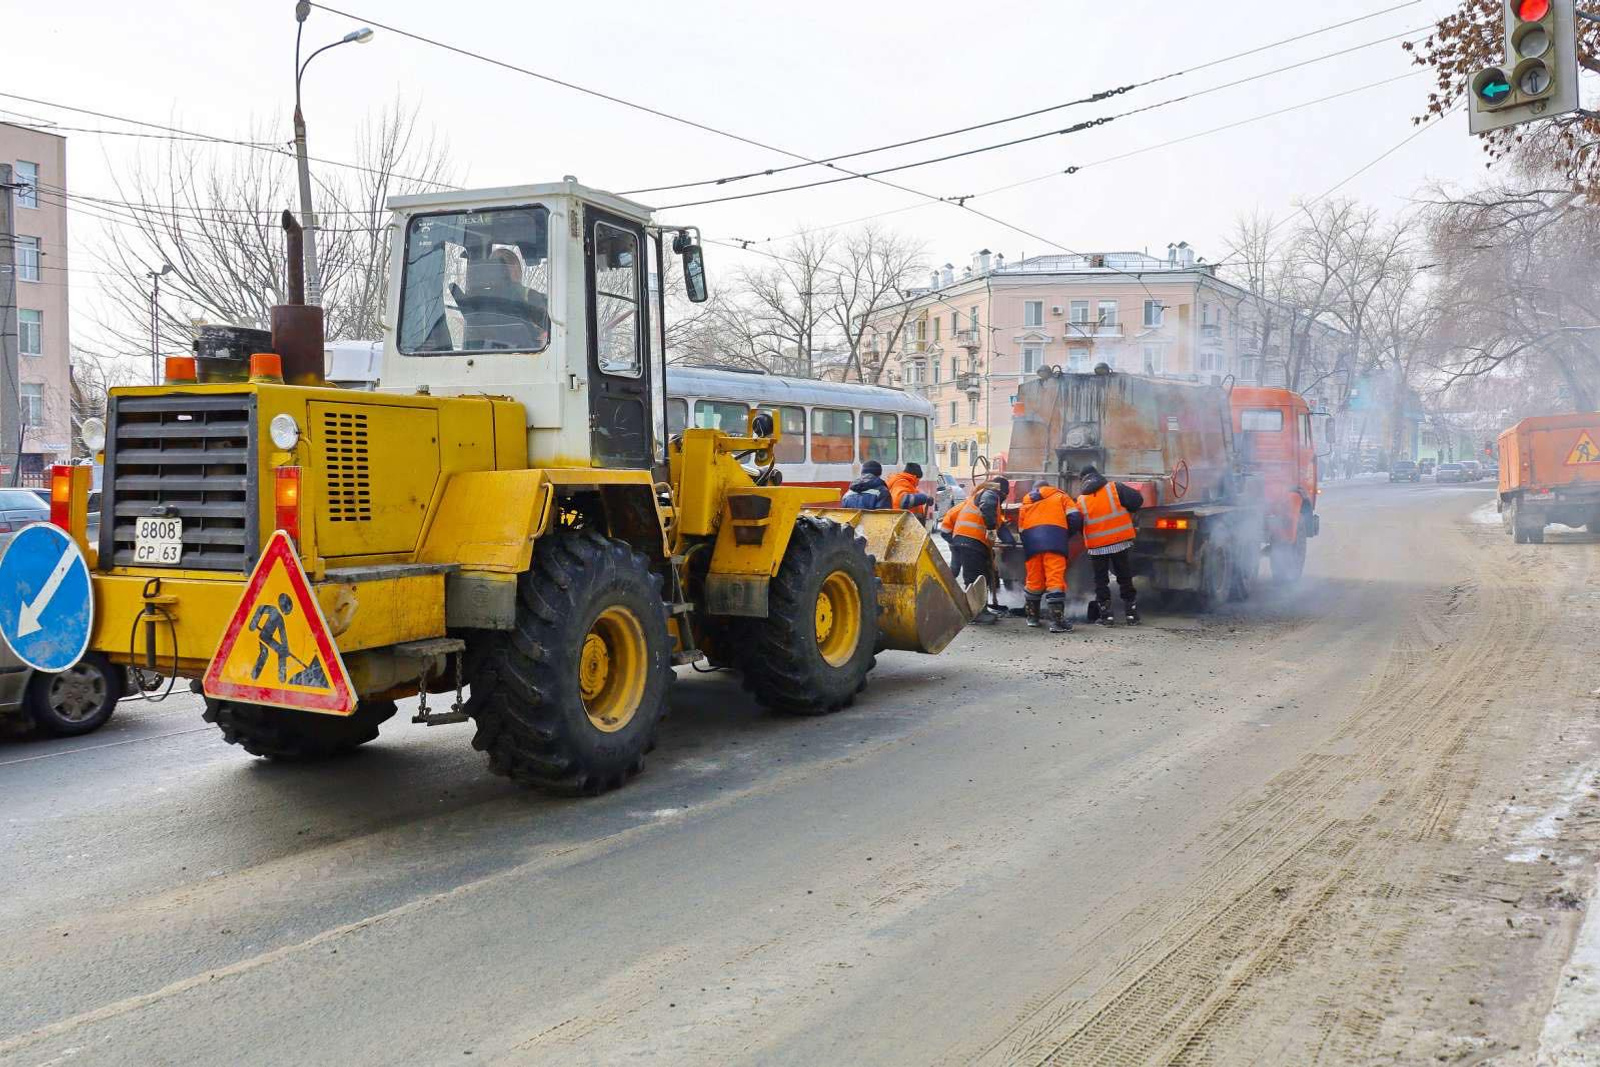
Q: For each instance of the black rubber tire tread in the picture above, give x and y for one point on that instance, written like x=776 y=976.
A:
x=297 y=736
x=36 y=700
x=1288 y=562
x=525 y=689
x=782 y=666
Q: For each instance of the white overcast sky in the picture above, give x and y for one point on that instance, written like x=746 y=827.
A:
x=821 y=78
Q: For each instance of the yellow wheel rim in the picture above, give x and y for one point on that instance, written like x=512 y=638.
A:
x=838 y=618
x=611 y=669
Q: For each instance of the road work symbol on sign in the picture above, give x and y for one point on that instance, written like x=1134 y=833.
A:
x=46 y=601
x=1585 y=451
x=277 y=649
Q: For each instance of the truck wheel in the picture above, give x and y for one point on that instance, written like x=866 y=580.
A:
x=1289 y=561
x=812 y=652
x=77 y=701
x=282 y=734
x=1216 y=578
x=569 y=700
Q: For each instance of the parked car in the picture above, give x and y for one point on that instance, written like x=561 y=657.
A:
x=948 y=494
x=1405 y=471
x=1427 y=466
x=19 y=507
x=1491 y=471
x=76 y=701
x=1473 y=468
x=1452 y=472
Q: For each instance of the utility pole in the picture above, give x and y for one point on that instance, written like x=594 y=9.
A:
x=11 y=422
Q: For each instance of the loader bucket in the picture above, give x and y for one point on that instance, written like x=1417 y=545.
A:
x=921 y=606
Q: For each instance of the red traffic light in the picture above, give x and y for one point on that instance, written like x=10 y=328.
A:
x=1532 y=10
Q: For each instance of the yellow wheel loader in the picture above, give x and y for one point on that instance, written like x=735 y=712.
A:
x=505 y=515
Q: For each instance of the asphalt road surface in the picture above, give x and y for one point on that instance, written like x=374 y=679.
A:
x=1346 y=823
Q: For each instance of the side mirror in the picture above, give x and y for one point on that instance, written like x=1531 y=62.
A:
x=1323 y=436
x=694 y=274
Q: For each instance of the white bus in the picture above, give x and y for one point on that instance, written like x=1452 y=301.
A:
x=828 y=428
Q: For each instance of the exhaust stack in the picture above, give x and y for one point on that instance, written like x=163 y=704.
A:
x=297 y=327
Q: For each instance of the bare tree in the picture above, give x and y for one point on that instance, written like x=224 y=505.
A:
x=789 y=301
x=214 y=215
x=871 y=269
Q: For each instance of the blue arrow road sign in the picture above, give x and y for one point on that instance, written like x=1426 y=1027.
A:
x=46 y=601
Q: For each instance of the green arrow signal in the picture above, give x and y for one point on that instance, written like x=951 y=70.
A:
x=1495 y=89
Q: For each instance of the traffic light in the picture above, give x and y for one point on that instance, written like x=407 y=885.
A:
x=1539 y=79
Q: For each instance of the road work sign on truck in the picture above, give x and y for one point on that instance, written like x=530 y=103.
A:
x=276 y=649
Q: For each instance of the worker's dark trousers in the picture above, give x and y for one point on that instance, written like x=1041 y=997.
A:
x=1120 y=563
x=971 y=559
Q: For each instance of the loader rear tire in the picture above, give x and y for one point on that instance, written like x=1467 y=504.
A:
x=812 y=653
x=296 y=736
x=568 y=701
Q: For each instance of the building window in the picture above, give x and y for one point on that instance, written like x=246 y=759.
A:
x=1153 y=313
x=1080 y=312
x=972 y=320
x=33 y=403
x=936 y=324
x=955 y=323
x=1033 y=313
x=28 y=178
x=1155 y=359
x=972 y=410
x=1108 y=312
x=954 y=412
x=1032 y=358
x=30 y=332
x=1078 y=360
x=955 y=369
x=1205 y=314
x=934 y=365
x=28 y=259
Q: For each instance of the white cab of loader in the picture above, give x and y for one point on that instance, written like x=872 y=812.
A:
x=542 y=293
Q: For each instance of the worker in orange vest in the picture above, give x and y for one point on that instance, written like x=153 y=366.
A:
x=905 y=491
x=967 y=530
x=1048 y=518
x=1109 y=528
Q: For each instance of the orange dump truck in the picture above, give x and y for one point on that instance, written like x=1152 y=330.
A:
x=1228 y=475
x=1550 y=472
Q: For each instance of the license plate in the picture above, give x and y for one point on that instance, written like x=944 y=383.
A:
x=158 y=540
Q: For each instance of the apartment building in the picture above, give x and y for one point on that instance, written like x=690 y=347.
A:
x=968 y=340
x=39 y=166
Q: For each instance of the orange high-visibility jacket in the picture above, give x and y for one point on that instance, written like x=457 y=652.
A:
x=967 y=521
x=902 y=485
x=1106 y=523
x=1043 y=521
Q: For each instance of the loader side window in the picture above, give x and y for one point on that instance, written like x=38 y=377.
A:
x=677 y=416
x=916 y=439
x=476 y=281
x=617 y=297
x=880 y=437
x=833 y=435
x=725 y=415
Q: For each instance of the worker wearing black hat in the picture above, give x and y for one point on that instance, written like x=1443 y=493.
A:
x=905 y=491
x=868 y=492
x=1109 y=527
x=967 y=529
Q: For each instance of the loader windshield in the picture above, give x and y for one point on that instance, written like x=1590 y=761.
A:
x=476 y=281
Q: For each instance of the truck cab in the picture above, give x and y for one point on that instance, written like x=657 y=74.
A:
x=1277 y=441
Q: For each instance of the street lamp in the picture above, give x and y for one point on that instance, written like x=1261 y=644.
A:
x=155 y=277
x=361 y=36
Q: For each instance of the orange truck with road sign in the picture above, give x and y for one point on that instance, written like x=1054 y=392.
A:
x=1550 y=473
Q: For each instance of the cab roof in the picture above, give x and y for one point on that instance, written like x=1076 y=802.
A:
x=508 y=195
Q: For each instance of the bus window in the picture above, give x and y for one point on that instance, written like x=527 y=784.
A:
x=833 y=435
x=880 y=437
x=726 y=415
x=1261 y=420
x=677 y=416
x=916 y=439
x=792 y=445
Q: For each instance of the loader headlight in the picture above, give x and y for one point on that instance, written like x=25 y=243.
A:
x=284 y=431
x=93 y=434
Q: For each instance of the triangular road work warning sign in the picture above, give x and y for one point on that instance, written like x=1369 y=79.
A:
x=1585 y=451
x=276 y=649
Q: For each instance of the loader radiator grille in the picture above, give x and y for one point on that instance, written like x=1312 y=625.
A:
x=192 y=457
x=344 y=449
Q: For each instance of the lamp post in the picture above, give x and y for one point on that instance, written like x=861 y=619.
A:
x=155 y=277
x=361 y=36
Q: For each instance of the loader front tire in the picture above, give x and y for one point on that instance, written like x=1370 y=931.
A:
x=296 y=736
x=568 y=701
x=811 y=654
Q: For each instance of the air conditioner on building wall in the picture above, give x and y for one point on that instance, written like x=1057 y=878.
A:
x=1055 y=309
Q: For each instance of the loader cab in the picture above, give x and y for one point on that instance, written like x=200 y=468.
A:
x=541 y=293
